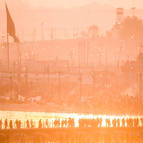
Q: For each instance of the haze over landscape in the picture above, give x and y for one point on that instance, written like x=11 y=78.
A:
x=73 y=66
x=64 y=17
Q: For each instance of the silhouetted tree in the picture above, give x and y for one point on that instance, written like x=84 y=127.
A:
x=139 y=63
x=131 y=28
x=93 y=31
x=134 y=66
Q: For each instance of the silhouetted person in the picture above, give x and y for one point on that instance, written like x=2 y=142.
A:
x=107 y=122
x=95 y=123
x=118 y=123
x=27 y=123
x=130 y=122
x=114 y=123
x=55 y=123
x=69 y=122
x=127 y=121
x=0 y=124
x=123 y=122
x=32 y=125
x=63 y=123
x=99 y=122
x=58 y=123
x=19 y=124
x=72 y=122
x=40 y=123
x=136 y=122
x=47 y=123
x=6 y=123
x=10 y=124
x=141 y=122
x=16 y=123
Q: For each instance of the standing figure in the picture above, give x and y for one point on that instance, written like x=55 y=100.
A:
x=65 y=122
x=69 y=123
x=62 y=123
x=107 y=123
x=72 y=122
x=19 y=124
x=40 y=123
x=16 y=123
x=11 y=124
x=141 y=122
x=1 y=124
x=100 y=122
x=32 y=126
x=114 y=123
x=55 y=123
x=47 y=123
x=118 y=123
x=27 y=123
x=136 y=122
x=6 y=123
x=123 y=123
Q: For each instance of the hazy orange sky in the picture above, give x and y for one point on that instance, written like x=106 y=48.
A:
x=70 y=3
x=17 y=5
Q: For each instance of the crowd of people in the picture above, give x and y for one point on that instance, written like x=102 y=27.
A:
x=10 y=124
x=57 y=123
x=70 y=123
x=115 y=123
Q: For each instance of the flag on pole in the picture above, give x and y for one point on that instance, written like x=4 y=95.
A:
x=11 y=26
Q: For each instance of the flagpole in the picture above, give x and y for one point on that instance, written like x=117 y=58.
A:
x=7 y=42
x=8 y=51
x=11 y=31
x=19 y=68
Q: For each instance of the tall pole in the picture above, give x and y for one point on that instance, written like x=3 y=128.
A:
x=140 y=85
x=48 y=72
x=51 y=34
x=80 y=84
x=59 y=78
x=84 y=51
x=87 y=46
x=19 y=70
x=106 y=66
x=8 y=51
x=119 y=58
x=8 y=62
x=79 y=55
x=42 y=31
